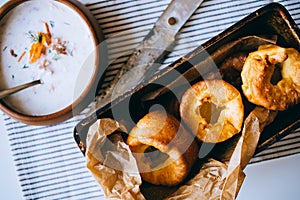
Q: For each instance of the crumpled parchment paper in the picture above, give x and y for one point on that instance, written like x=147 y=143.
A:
x=110 y=161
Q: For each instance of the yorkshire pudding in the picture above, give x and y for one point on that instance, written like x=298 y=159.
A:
x=258 y=71
x=164 y=150
x=213 y=110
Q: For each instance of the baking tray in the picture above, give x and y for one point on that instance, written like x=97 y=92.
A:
x=272 y=19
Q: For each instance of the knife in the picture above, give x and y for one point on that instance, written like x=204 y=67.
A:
x=155 y=45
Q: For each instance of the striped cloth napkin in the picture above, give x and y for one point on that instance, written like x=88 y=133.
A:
x=48 y=162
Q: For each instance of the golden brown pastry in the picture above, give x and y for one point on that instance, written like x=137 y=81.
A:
x=258 y=71
x=164 y=150
x=213 y=110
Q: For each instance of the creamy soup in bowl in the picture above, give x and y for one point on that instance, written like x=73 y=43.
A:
x=52 y=41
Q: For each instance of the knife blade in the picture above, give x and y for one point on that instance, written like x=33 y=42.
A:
x=154 y=46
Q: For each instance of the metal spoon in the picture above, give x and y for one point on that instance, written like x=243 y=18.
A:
x=7 y=92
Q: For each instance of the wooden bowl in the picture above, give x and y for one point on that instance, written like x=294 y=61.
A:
x=70 y=67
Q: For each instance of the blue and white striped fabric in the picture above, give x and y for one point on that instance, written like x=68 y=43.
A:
x=48 y=161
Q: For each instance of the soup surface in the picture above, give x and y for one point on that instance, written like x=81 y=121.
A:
x=47 y=40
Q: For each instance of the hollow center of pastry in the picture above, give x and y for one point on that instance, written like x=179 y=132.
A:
x=210 y=112
x=156 y=156
x=276 y=75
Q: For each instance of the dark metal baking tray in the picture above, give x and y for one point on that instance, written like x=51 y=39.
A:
x=272 y=19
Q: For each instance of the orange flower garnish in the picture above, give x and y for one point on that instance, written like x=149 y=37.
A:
x=38 y=48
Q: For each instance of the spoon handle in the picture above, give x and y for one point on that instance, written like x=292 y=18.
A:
x=6 y=92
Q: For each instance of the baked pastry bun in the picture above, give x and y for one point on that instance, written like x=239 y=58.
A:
x=164 y=150
x=258 y=71
x=213 y=110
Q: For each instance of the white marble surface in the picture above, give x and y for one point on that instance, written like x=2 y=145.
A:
x=275 y=179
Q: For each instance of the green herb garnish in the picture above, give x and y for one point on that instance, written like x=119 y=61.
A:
x=32 y=36
x=56 y=57
x=25 y=66
x=70 y=52
x=52 y=24
x=4 y=48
